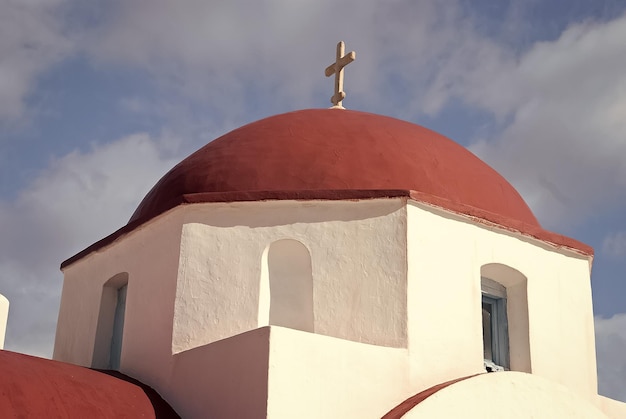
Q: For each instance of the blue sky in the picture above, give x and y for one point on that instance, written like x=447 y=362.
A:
x=99 y=99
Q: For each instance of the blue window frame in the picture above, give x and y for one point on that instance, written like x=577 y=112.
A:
x=495 y=326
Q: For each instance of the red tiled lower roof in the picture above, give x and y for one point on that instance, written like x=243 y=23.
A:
x=32 y=387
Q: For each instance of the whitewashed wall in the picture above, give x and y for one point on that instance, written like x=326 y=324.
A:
x=395 y=300
x=195 y=274
x=4 y=317
x=357 y=258
x=446 y=253
x=313 y=376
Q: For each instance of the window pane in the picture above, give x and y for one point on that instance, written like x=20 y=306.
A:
x=487 y=346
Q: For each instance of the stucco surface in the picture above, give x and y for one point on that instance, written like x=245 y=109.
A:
x=612 y=408
x=505 y=395
x=4 y=316
x=313 y=376
x=359 y=292
x=194 y=277
x=150 y=257
x=446 y=257
x=394 y=284
x=226 y=379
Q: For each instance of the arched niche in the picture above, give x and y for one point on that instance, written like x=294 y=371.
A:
x=515 y=284
x=107 y=349
x=286 y=294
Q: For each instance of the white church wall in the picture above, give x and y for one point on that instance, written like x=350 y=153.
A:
x=215 y=252
x=314 y=376
x=445 y=255
x=78 y=315
x=149 y=256
x=612 y=408
x=4 y=316
x=359 y=291
x=225 y=379
x=196 y=276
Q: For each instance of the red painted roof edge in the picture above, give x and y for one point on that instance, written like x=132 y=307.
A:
x=509 y=224
x=477 y=214
x=404 y=407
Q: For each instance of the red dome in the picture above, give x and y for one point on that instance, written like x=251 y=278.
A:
x=325 y=153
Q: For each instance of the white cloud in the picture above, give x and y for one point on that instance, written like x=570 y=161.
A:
x=564 y=99
x=232 y=52
x=614 y=244
x=611 y=356
x=567 y=99
x=223 y=51
x=79 y=199
x=32 y=38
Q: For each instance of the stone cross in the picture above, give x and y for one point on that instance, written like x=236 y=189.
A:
x=336 y=68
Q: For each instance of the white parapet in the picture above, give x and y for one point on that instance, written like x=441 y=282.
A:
x=4 y=316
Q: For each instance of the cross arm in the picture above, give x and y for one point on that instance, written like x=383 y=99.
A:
x=341 y=63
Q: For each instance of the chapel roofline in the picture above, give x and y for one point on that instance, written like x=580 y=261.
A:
x=475 y=214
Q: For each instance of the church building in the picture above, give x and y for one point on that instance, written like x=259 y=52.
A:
x=323 y=263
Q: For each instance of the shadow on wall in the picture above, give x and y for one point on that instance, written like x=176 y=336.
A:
x=107 y=349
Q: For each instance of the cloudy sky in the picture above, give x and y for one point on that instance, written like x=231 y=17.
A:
x=99 y=99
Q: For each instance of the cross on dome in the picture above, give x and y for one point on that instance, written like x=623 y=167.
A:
x=336 y=68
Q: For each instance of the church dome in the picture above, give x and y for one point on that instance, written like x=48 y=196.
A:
x=335 y=154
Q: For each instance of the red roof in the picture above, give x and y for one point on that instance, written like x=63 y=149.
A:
x=41 y=388
x=332 y=154
x=336 y=150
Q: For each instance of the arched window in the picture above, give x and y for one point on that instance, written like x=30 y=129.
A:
x=495 y=325
x=287 y=286
x=107 y=349
x=505 y=318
